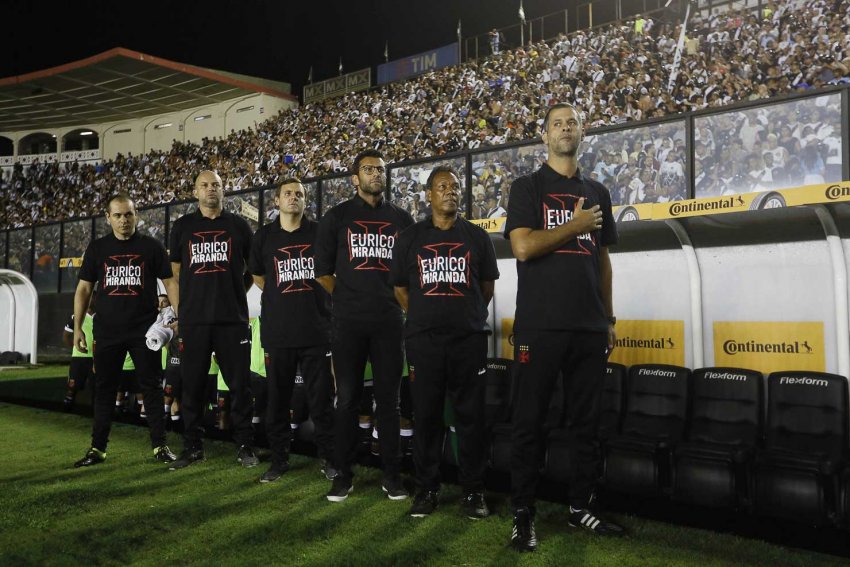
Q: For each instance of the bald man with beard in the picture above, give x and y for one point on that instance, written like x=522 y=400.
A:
x=209 y=251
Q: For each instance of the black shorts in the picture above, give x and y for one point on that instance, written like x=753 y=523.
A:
x=173 y=382
x=80 y=371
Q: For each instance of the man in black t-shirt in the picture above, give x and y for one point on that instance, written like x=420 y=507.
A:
x=296 y=329
x=209 y=250
x=444 y=269
x=560 y=225
x=354 y=251
x=125 y=265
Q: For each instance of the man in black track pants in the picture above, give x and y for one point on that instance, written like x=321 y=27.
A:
x=444 y=269
x=560 y=225
x=354 y=248
x=209 y=251
x=125 y=265
x=296 y=329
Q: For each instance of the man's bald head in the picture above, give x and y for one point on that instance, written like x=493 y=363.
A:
x=209 y=190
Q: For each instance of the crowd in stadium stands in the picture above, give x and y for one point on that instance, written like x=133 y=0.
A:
x=614 y=74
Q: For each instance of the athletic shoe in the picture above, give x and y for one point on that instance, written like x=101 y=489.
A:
x=474 y=506
x=93 y=457
x=394 y=489
x=246 y=457
x=186 y=458
x=340 y=489
x=163 y=454
x=523 y=537
x=328 y=470
x=586 y=520
x=424 y=503
x=275 y=472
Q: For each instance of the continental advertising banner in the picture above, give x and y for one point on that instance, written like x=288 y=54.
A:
x=649 y=342
x=638 y=342
x=777 y=199
x=770 y=346
x=349 y=83
x=491 y=225
x=418 y=64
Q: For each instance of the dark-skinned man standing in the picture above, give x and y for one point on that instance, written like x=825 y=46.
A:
x=444 y=269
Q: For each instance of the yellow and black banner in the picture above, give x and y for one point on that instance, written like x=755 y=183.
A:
x=70 y=262
x=491 y=225
x=770 y=346
x=649 y=342
x=774 y=199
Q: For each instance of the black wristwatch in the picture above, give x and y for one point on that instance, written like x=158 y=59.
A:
x=612 y=320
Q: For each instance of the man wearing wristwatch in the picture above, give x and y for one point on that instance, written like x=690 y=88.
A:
x=560 y=225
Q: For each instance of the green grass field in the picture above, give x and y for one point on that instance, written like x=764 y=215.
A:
x=130 y=510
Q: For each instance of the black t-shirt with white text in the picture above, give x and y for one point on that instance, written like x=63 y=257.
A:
x=126 y=272
x=355 y=243
x=296 y=310
x=212 y=254
x=560 y=290
x=442 y=271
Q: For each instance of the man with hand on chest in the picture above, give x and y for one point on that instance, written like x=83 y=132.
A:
x=125 y=265
x=560 y=226
x=444 y=271
x=209 y=251
x=296 y=327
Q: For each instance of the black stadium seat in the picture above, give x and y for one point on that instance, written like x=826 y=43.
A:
x=556 y=467
x=796 y=474
x=638 y=460
x=723 y=430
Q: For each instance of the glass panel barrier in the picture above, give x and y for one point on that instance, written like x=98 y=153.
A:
x=20 y=251
x=246 y=205
x=152 y=223
x=647 y=164
x=778 y=146
x=75 y=239
x=493 y=173
x=46 y=270
x=335 y=191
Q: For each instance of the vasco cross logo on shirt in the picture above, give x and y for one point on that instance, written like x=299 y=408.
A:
x=122 y=276
x=558 y=210
x=294 y=268
x=441 y=272
x=374 y=245
x=209 y=251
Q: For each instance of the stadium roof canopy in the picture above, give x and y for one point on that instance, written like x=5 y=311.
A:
x=118 y=85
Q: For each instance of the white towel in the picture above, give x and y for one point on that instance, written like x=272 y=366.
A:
x=159 y=335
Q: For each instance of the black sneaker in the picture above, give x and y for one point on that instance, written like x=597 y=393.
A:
x=186 y=458
x=523 y=537
x=163 y=454
x=93 y=457
x=474 y=506
x=340 y=489
x=328 y=470
x=246 y=457
x=275 y=472
x=394 y=489
x=424 y=503
x=587 y=520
